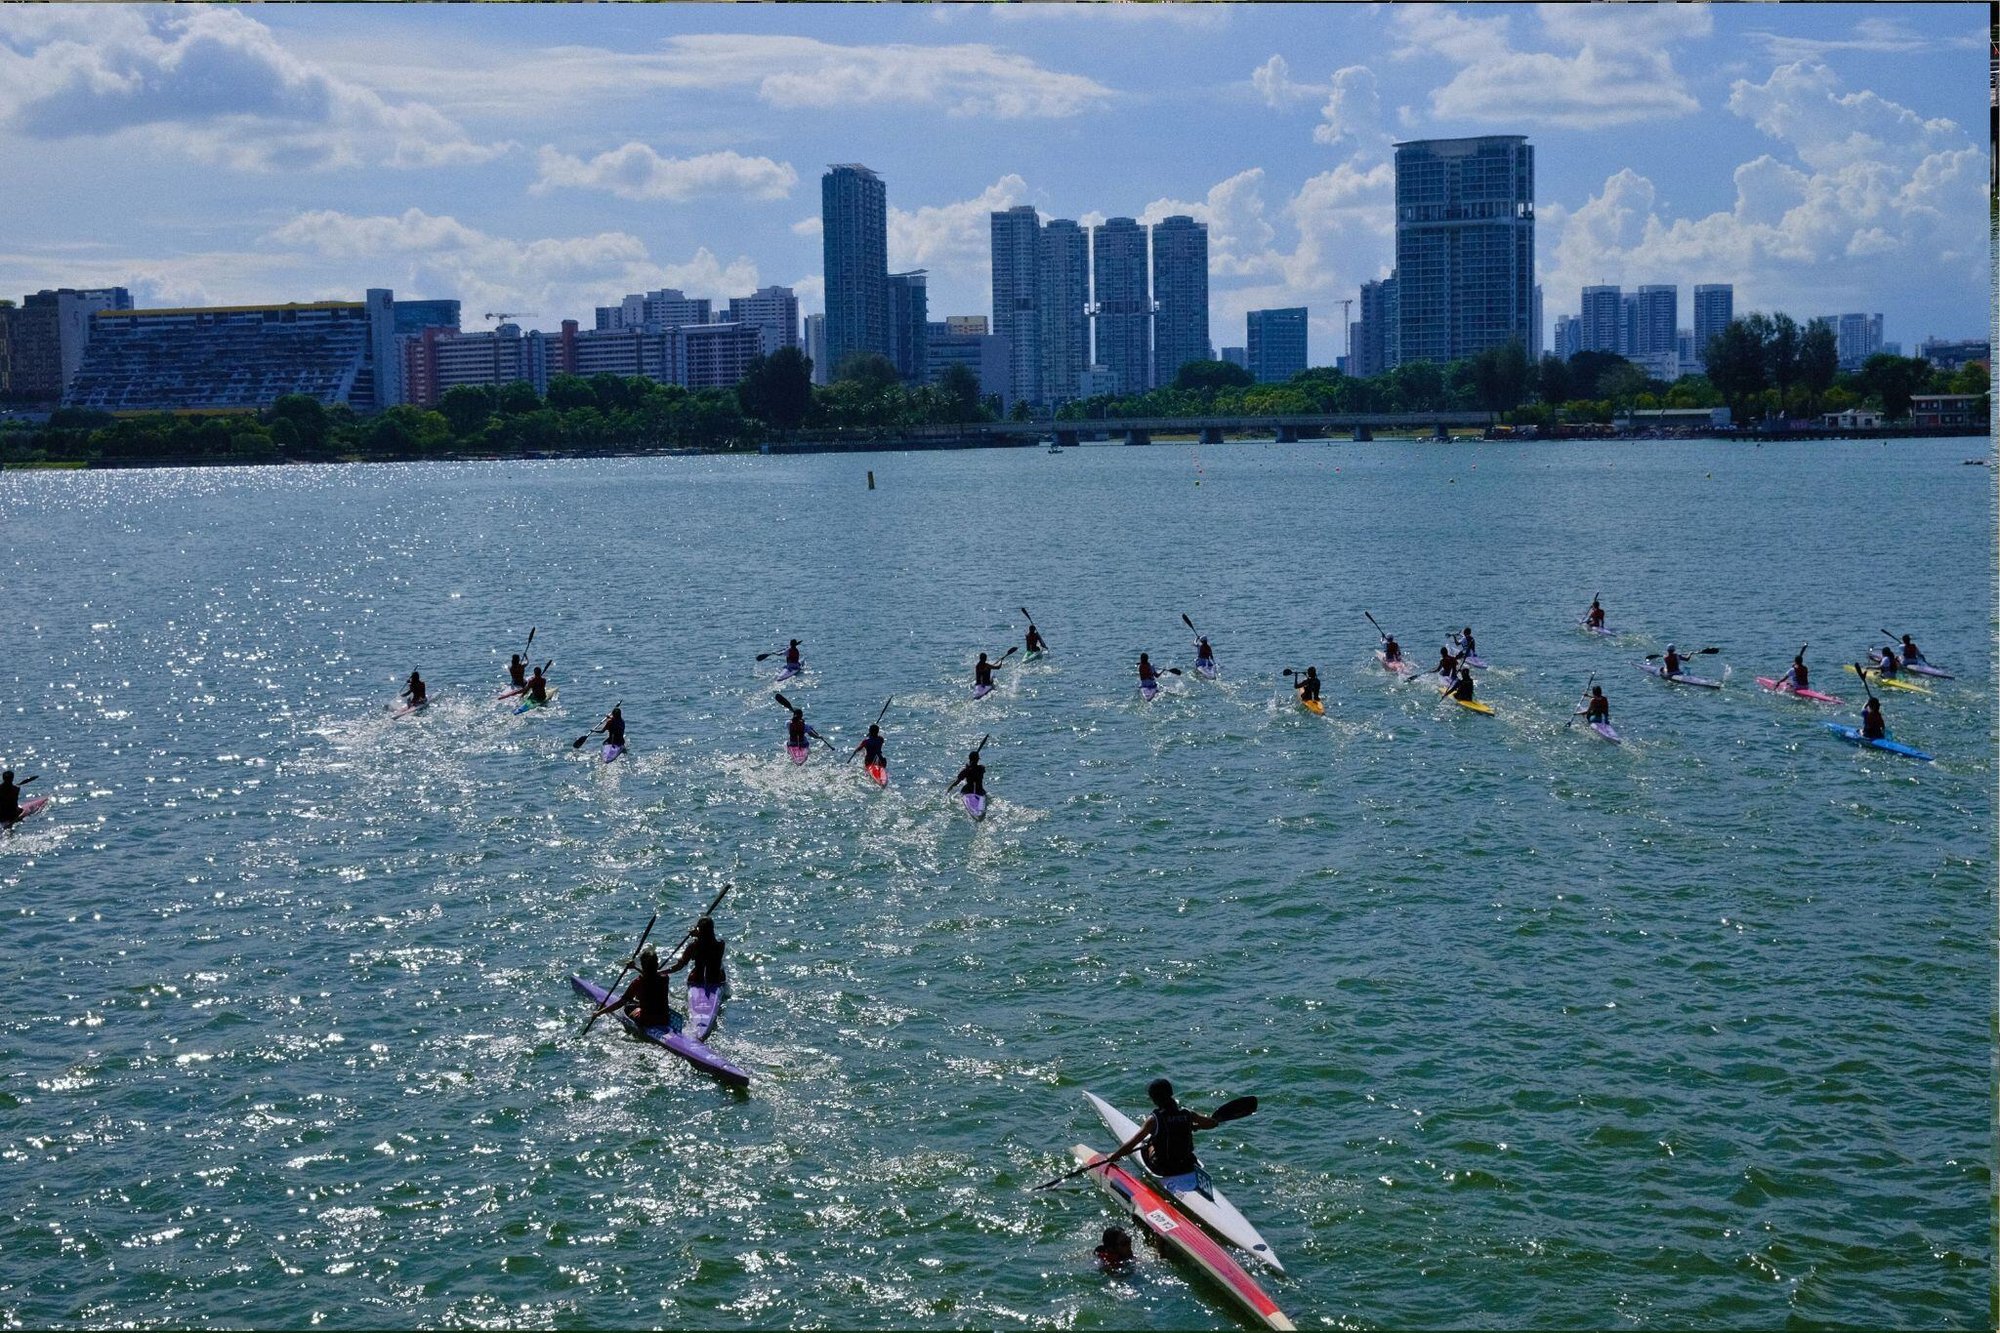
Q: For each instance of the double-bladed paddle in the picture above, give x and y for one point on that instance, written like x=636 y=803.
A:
x=811 y=731
x=1586 y=703
x=775 y=651
x=1230 y=1110
x=577 y=744
x=612 y=990
x=1031 y=625
x=1378 y=628
x=876 y=723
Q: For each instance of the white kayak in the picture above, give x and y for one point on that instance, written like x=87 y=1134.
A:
x=1194 y=1192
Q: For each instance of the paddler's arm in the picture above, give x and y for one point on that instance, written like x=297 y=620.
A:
x=686 y=957
x=1145 y=1131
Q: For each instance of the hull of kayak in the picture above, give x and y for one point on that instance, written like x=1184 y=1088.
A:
x=1470 y=659
x=513 y=693
x=975 y=805
x=1472 y=704
x=1605 y=730
x=1853 y=736
x=981 y=691
x=1206 y=669
x=1602 y=631
x=1811 y=696
x=798 y=753
x=1194 y=1192
x=787 y=672
x=529 y=705
x=408 y=709
x=1890 y=682
x=1399 y=667
x=1313 y=706
x=1699 y=682
x=1173 y=1229
x=29 y=809
x=877 y=773
x=673 y=1038
x=704 y=1007
x=611 y=752
x=1147 y=690
x=1918 y=668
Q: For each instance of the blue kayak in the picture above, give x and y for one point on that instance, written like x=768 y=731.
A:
x=1853 y=736
x=673 y=1038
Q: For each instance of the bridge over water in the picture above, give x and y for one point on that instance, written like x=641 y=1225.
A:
x=1139 y=430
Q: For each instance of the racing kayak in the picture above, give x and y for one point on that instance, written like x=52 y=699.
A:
x=1779 y=687
x=1173 y=1230
x=789 y=670
x=981 y=691
x=527 y=705
x=29 y=809
x=1605 y=730
x=1470 y=659
x=1399 y=667
x=1655 y=669
x=878 y=773
x=1853 y=736
x=1603 y=631
x=408 y=709
x=1193 y=1191
x=1920 y=668
x=1206 y=668
x=611 y=752
x=704 y=1006
x=1890 y=682
x=514 y=692
x=798 y=753
x=975 y=805
x=673 y=1037
x=1147 y=689
x=1313 y=706
x=1472 y=704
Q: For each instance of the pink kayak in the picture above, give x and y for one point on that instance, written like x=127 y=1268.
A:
x=798 y=753
x=29 y=809
x=1815 y=696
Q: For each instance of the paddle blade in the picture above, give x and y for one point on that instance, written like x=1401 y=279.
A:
x=783 y=702
x=1188 y=623
x=1234 y=1110
x=531 y=637
x=577 y=744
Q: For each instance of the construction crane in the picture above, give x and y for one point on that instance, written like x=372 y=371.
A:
x=1347 y=330
x=506 y=315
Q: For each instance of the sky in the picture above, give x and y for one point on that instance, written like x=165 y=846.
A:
x=544 y=160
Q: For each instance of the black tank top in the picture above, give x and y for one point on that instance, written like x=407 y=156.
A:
x=1173 y=1142
x=652 y=994
x=705 y=964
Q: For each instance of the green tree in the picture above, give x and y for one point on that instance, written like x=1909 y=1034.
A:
x=958 y=392
x=1819 y=362
x=1500 y=377
x=1892 y=380
x=518 y=399
x=777 y=389
x=872 y=372
x=467 y=408
x=1209 y=376
x=1552 y=380
x=568 y=392
x=1586 y=368
x=1781 y=351
x=307 y=419
x=1736 y=364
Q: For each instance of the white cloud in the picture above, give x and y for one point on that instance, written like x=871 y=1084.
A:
x=1353 y=110
x=812 y=226
x=952 y=240
x=1273 y=82
x=1799 y=104
x=1239 y=236
x=1876 y=35
x=212 y=84
x=1618 y=71
x=635 y=171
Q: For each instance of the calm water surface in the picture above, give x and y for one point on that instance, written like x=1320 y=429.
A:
x=1696 y=1031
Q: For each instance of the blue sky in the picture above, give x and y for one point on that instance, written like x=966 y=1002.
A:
x=549 y=159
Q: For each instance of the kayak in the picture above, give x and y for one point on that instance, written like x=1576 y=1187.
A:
x=1147 y=689
x=1917 y=668
x=1603 y=631
x=1605 y=730
x=1853 y=736
x=29 y=809
x=704 y=1007
x=1313 y=706
x=798 y=753
x=1193 y=1191
x=789 y=670
x=975 y=805
x=981 y=691
x=1399 y=667
x=1890 y=682
x=513 y=693
x=408 y=709
x=1470 y=659
x=611 y=752
x=1655 y=669
x=1778 y=687
x=879 y=773
x=1206 y=668
x=528 y=704
x=1035 y=655
x=1173 y=1230
x=673 y=1037
x=1472 y=704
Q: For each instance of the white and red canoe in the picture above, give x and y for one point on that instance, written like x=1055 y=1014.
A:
x=1175 y=1230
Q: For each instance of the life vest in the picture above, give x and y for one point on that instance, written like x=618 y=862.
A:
x=1171 y=1151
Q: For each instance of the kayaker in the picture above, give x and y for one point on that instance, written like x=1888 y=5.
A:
x=1872 y=726
x=973 y=775
x=1447 y=666
x=1114 y=1252
x=982 y=673
x=703 y=958
x=415 y=691
x=1910 y=653
x=1597 y=708
x=613 y=727
x=1167 y=1134
x=871 y=743
x=1796 y=678
x=517 y=672
x=1034 y=641
x=1594 y=618
x=1308 y=686
x=1147 y=675
x=1204 y=656
x=1391 y=650
x=1673 y=663
x=10 y=798
x=538 y=687
x=792 y=658
x=1461 y=684
x=1465 y=644
x=646 y=1000
x=1886 y=666
x=796 y=731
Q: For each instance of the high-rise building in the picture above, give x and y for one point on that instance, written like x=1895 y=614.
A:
x=49 y=333
x=668 y=308
x=415 y=316
x=1276 y=343
x=960 y=324
x=773 y=312
x=1684 y=345
x=714 y=356
x=1063 y=281
x=1601 y=319
x=964 y=341
x=854 y=216
x=1956 y=353
x=1237 y=356
x=1656 y=321
x=1535 y=327
x=909 y=324
x=1628 y=324
x=1377 y=337
x=1122 y=303
x=33 y=343
x=1465 y=245
x=1714 y=307
x=816 y=348
x=1016 y=260
x=1858 y=337
x=1568 y=337
x=1180 y=295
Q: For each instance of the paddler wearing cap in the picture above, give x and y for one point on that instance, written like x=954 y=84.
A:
x=645 y=1001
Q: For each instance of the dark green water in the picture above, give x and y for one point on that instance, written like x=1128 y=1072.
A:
x=1696 y=1031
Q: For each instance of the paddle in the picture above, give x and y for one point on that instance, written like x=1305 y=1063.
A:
x=713 y=904
x=876 y=723
x=1697 y=652
x=577 y=744
x=1378 y=628
x=1031 y=620
x=1230 y=1110
x=613 y=988
x=1864 y=681
x=531 y=640
x=1586 y=703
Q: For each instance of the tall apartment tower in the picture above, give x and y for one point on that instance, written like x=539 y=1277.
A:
x=1064 y=326
x=1017 y=256
x=1714 y=307
x=854 y=213
x=1602 y=315
x=1122 y=304
x=1375 y=341
x=773 y=312
x=816 y=348
x=1465 y=245
x=1180 y=295
x=909 y=319
x=1277 y=343
x=1657 y=320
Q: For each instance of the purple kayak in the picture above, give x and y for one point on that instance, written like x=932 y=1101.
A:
x=981 y=691
x=29 y=809
x=704 y=1005
x=1604 y=729
x=975 y=805
x=789 y=671
x=611 y=752
x=1147 y=689
x=673 y=1038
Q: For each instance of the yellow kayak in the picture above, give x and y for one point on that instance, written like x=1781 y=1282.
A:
x=1473 y=704
x=1313 y=706
x=1889 y=682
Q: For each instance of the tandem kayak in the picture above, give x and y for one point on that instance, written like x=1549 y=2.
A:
x=1399 y=667
x=1918 y=667
x=611 y=752
x=798 y=753
x=1206 y=668
x=704 y=1007
x=1700 y=682
x=1173 y=1230
x=981 y=691
x=1853 y=736
x=29 y=809
x=1890 y=682
x=975 y=805
x=673 y=1037
x=1313 y=706
x=877 y=773
x=1778 y=686
x=1193 y=1191
x=1147 y=689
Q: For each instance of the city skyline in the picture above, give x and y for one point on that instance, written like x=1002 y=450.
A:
x=1813 y=162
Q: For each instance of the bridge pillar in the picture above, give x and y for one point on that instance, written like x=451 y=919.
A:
x=1288 y=434
x=1211 y=435
x=1068 y=439
x=1441 y=435
x=1362 y=435
x=1138 y=437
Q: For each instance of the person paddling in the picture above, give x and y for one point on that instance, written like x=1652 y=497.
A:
x=1673 y=663
x=797 y=733
x=1466 y=648
x=972 y=776
x=613 y=727
x=1461 y=685
x=1308 y=686
x=982 y=673
x=1796 y=677
x=1147 y=674
x=1034 y=643
x=1392 y=652
x=1165 y=1140
x=416 y=691
x=1204 y=656
x=646 y=1000
x=870 y=748
x=1910 y=652
x=1594 y=618
x=1872 y=726
x=1886 y=666
x=10 y=798
x=794 y=663
x=703 y=958
x=1447 y=666
x=517 y=672
x=1596 y=708
x=538 y=690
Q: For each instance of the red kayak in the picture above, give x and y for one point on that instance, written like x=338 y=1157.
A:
x=879 y=773
x=1778 y=687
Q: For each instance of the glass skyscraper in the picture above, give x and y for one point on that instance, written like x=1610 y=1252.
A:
x=909 y=322
x=1714 y=307
x=1465 y=245
x=1017 y=317
x=854 y=211
x=1122 y=303
x=1180 y=291
x=1277 y=343
x=1064 y=281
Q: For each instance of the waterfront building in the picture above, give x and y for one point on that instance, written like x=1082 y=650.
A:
x=1943 y=409
x=1954 y=354
x=1857 y=337
x=1016 y=258
x=1237 y=356
x=1656 y=321
x=1276 y=341
x=909 y=320
x=773 y=312
x=1374 y=344
x=1600 y=320
x=1714 y=307
x=46 y=337
x=1122 y=304
x=1685 y=345
x=1535 y=330
x=1062 y=282
x=964 y=341
x=1568 y=336
x=1628 y=325
x=645 y=353
x=816 y=348
x=855 y=239
x=714 y=356
x=668 y=308
x=1465 y=245
x=1180 y=295
x=490 y=358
